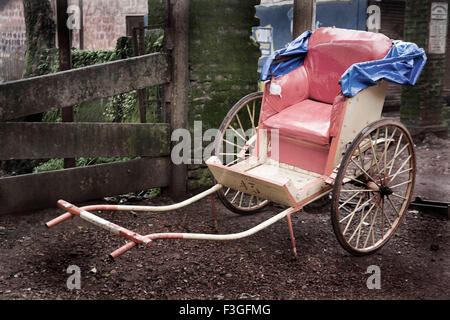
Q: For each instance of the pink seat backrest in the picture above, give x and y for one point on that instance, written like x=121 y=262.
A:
x=331 y=51
x=294 y=88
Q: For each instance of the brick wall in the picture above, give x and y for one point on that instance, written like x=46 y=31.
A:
x=104 y=21
x=12 y=40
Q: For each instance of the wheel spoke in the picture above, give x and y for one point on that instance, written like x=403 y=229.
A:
x=349 y=199
x=353 y=179
x=384 y=155
x=251 y=119
x=250 y=201
x=231 y=143
x=359 y=228
x=237 y=133
x=361 y=222
x=400 y=184
x=361 y=157
x=393 y=206
x=374 y=153
x=391 y=162
x=371 y=232
x=398 y=196
x=384 y=214
x=235 y=196
x=365 y=172
x=239 y=121
x=240 y=130
x=406 y=170
x=240 y=201
x=401 y=167
x=254 y=110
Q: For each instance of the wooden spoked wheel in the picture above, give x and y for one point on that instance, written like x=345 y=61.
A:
x=236 y=142
x=373 y=187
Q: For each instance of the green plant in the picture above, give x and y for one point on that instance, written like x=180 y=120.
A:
x=119 y=108
x=58 y=164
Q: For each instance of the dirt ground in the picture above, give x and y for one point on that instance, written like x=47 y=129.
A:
x=415 y=264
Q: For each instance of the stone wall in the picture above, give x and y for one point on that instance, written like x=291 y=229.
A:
x=422 y=104
x=223 y=64
x=12 y=40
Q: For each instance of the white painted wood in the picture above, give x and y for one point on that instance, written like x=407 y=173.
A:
x=240 y=235
x=361 y=110
x=100 y=222
x=171 y=207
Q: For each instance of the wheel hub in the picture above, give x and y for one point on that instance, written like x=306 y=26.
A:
x=385 y=191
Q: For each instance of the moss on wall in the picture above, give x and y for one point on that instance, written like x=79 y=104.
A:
x=40 y=30
x=223 y=65
x=156 y=11
x=223 y=58
x=422 y=104
x=223 y=62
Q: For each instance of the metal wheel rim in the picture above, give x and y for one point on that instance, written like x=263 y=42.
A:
x=391 y=172
x=234 y=122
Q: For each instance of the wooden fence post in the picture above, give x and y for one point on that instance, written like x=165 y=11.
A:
x=177 y=91
x=65 y=60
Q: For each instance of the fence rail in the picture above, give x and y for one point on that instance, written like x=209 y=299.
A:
x=22 y=140
x=67 y=88
x=29 y=140
x=25 y=140
x=43 y=190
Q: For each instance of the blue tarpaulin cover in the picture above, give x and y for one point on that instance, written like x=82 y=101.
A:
x=403 y=65
x=295 y=52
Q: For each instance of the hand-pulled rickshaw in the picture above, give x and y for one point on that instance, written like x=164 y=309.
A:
x=314 y=131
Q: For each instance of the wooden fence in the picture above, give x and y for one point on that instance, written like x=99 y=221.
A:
x=151 y=142
x=24 y=140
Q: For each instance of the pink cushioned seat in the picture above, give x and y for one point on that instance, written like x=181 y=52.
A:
x=306 y=104
x=307 y=120
x=304 y=108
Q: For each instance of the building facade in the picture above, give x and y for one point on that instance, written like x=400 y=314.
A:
x=12 y=39
x=95 y=24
